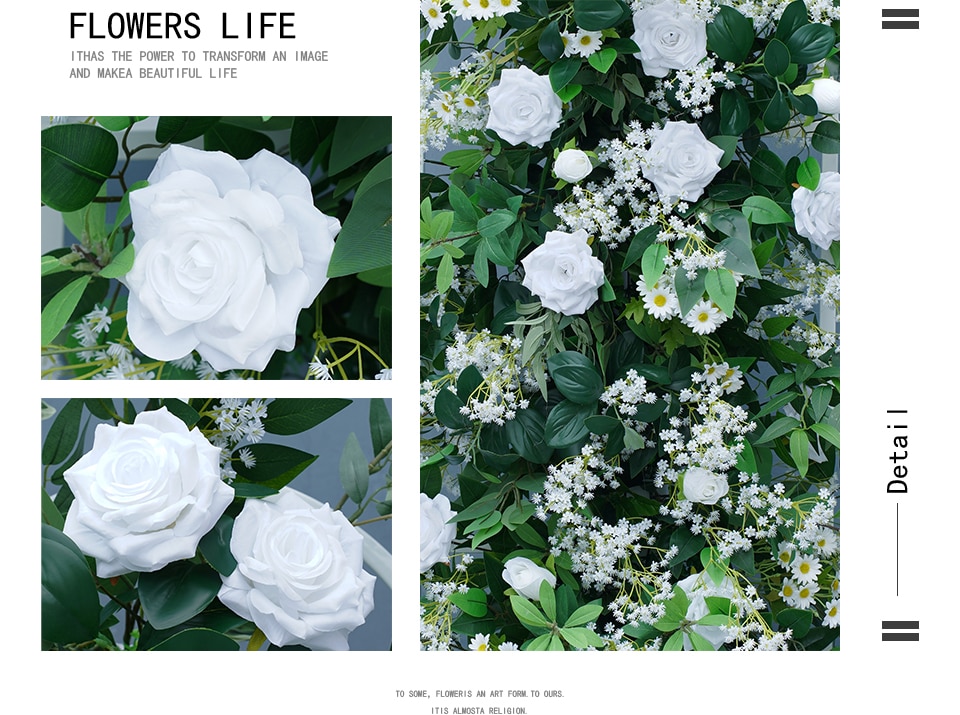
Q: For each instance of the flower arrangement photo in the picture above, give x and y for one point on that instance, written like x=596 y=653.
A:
x=217 y=247
x=198 y=525
x=629 y=272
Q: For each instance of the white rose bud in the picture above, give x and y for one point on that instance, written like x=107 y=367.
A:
x=226 y=254
x=681 y=162
x=525 y=577
x=572 y=165
x=299 y=574
x=563 y=272
x=436 y=535
x=698 y=587
x=145 y=494
x=670 y=37
x=817 y=213
x=826 y=93
x=523 y=107
x=703 y=486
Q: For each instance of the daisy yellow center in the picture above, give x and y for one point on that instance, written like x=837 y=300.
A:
x=484 y=3
x=469 y=102
x=835 y=585
x=586 y=40
x=433 y=12
x=482 y=646
x=506 y=3
x=703 y=317
x=785 y=557
x=788 y=591
x=833 y=612
x=804 y=593
x=804 y=568
x=660 y=301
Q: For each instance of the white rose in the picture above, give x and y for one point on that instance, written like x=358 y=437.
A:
x=703 y=486
x=572 y=165
x=523 y=107
x=698 y=587
x=681 y=161
x=525 y=577
x=299 y=574
x=436 y=535
x=817 y=213
x=226 y=254
x=563 y=273
x=670 y=37
x=826 y=93
x=145 y=494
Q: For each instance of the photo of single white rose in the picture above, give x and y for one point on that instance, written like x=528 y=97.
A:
x=818 y=212
x=436 y=535
x=703 y=486
x=670 y=37
x=572 y=165
x=299 y=574
x=145 y=494
x=226 y=254
x=523 y=107
x=563 y=272
x=681 y=162
x=698 y=587
x=525 y=577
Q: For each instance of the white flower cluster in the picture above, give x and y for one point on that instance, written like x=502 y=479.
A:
x=765 y=13
x=238 y=420
x=815 y=284
x=693 y=88
x=436 y=16
x=114 y=360
x=437 y=611
x=455 y=106
x=581 y=43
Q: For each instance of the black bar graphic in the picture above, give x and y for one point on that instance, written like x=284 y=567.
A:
x=900 y=625
x=900 y=24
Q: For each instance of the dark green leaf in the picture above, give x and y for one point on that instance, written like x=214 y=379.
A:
x=69 y=606
x=826 y=137
x=730 y=35
x=778 y=428
x=63 y=433
x=292 y=415
x=238 y=142
x=768 y=168
x=689 y=292
x=576 y=377
x=798 y=619
x=57 y=312
x=197 y=639
x=565 y=424
x=526 y=435
x=366 y=239
x=276 y=464
x=49 y=512
x=777 y=113
x=721 y=288
x=793 y=18
x=306 y=134
x=734 y=113
x=447 y=409
x=764 y=211
x=563 y=71
x=811 y=43
x=75 y=161
x=381 y=425
x=182 y=129
x=828 y=432
x=595 y=15
x=215 y=546
x=356 y=138
x=550 y=43
x=776 y=58
x=800 y=450
x=181 y=410
x=177 y=592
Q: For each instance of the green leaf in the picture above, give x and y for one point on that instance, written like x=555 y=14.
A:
x=381 y=425
x=182 y=129
x=306 y=135
x=565 y=424
x=179 y=409
x=729 y=146
x=776 y=58
x=496 y=222
x=739 y=257
x=674 y=642
x=730 y=35
x=793 y=18
x=177 y=592
x=63 y=433
x=215 y=546
x=808 y=174
x=820 y=400
x=826 y=137
x=447 y=408
x=581 y=638
x=698 y=641
x=595 y=15
x=800 y=450
x=562 y=71
x=120 y=265
x=49 y=512
x=778 y=428
x=569 y=92
x=763 y=211
x=776 y=325
x=734 y=113
x=365 y=241
x=354 y=470
x=75 y=161
x=527 y=613
x=276 y=464
x=445 y=273
x=828 y=432
x=603 y=59
x=238 y=142
x=811 y=43
x=768 y=168
x=474 y=602
x=722 y=289
x=550 y=43
x=526 y=435
x=197 y=639
x=777 y=113
x=356 y=138
x=292 y=415
x=798 y=619
x=583 y=615
x=689 y=292
x=57 y=312
x=51 y=264
x=575 y=377
x=548 y=600
x=653 y=263
x=69 y=605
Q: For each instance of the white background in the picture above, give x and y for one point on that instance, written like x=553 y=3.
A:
x=899 y=251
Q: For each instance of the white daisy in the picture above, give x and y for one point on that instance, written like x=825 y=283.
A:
x=805 y=594
x=587 y=43
x=806 y=568
x=433 y=14
x=660 y=300
x=832 y=618
x=703 y=318
x=788 y=592
x=480 y=642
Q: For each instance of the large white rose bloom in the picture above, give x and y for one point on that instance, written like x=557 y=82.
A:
x=817 y=213
x=523 y=107
x=563 y=272
x=436 y=535
x=226 y=254
x=681 y=162
x=670 y=37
